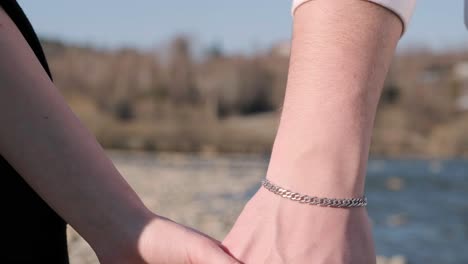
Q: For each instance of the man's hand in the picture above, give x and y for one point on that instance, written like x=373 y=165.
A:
x=275 y=230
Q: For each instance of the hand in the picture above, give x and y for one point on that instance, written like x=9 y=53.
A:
x=275 y=230
x=163 y=241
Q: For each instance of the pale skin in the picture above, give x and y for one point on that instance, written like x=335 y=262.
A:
x=341 y=53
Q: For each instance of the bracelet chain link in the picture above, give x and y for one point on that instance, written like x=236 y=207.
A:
x=313 y=200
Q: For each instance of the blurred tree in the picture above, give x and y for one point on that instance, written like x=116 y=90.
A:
x=182 y=87
x=124 y=110
x=256 y=85
x=215 y=51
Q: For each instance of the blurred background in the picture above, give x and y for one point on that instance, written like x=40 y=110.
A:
x=185 y=95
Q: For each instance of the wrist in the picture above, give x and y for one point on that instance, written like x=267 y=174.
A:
x=120 y=234
x=324 y=168
x=322 y=143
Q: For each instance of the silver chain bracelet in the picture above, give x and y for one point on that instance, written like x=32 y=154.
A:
x=313 y=200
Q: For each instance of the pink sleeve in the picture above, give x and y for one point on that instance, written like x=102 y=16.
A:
x=402 y=8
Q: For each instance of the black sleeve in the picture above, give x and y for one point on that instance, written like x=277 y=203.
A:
x=16 y=14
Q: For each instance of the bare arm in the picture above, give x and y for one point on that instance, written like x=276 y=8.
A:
x=341 y=51
x=46 y=143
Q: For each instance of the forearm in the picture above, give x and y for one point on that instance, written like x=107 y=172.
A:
x=341 y=51
x=45 y=142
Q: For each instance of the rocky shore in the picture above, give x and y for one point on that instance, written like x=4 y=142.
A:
x=191 y=191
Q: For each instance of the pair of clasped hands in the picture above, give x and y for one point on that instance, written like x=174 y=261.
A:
x=270 y=229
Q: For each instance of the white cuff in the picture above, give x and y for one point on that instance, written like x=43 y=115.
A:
x=402 y=8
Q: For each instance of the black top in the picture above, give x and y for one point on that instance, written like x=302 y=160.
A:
x=15 y=12
x=31 y=232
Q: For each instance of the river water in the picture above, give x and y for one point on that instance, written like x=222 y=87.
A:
x=420 y=209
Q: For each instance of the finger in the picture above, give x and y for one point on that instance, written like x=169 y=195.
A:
x=219 y=256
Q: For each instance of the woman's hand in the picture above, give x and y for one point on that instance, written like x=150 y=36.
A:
x=163 y=241
x=275 y=230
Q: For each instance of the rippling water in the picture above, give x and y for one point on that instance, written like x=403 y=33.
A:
x=420 y=209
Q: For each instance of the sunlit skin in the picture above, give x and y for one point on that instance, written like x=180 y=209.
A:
x=341 y=51
x=340 y=55
x=46 y=143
